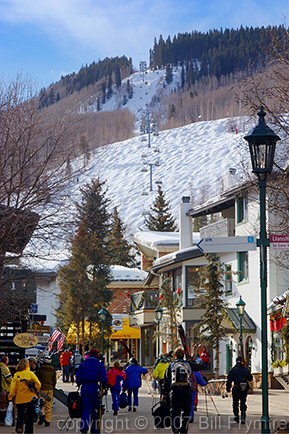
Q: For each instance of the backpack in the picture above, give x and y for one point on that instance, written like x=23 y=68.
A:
x=161 y=413
x=74 y=405
x=180 y=374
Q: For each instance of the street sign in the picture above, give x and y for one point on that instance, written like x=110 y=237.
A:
x=279 y=242
x=227 y=244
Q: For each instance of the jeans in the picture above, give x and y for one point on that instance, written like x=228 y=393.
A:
x=25 y=415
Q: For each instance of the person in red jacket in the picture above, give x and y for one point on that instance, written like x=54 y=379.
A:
x=115 y=376
x=65 y=365
x=205 y=357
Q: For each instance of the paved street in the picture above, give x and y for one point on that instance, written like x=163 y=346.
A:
x=213 y=415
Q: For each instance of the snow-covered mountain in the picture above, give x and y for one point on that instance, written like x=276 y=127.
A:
x=193 y=160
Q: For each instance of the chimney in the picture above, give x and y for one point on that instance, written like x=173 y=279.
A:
x=185 y=223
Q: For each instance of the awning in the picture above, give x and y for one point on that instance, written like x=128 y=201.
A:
x=248 y=324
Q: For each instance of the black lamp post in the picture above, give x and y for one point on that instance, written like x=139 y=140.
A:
x=262 y=143
x=158 y=317
x=241 y=310
x=102 y=314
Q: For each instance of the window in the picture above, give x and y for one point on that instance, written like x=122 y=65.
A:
x=243 y=267
x=193 y=285
x=177 y=279
x=242 y=208
x=228 y=281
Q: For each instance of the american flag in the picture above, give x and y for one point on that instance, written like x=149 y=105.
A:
x=60 y=342
x=55 y=335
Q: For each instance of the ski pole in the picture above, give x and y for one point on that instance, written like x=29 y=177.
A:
x=206 y=401
x=213 y=402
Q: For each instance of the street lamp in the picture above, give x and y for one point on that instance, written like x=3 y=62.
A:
x=102 y=314
x=241 y=310
x=262 y=143
x=158 y=318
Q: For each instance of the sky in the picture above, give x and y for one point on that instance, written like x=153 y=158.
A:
x=44 y=39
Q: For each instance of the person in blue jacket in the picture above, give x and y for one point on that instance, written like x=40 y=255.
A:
x=196 y=378
x=133 y=382
x=91 y=375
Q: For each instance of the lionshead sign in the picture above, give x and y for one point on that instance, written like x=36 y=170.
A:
x=279 y=242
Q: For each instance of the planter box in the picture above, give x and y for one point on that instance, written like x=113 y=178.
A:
x=281 y=370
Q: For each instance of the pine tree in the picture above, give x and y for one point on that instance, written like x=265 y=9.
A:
x=120 y=248
x=213 y=303
x=81 y=298
x=160 y=219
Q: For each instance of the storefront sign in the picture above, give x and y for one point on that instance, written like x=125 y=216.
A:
x=25 y=340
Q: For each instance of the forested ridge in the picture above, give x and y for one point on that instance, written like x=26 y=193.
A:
x=217 y=53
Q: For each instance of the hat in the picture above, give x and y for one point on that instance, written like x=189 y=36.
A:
x=47 y=359
x=32 y=359
x=239 y=359
x=133 y=361
x=94 y=353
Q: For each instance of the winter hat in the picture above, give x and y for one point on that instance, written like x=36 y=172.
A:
x=47 y=359
x=239 y=359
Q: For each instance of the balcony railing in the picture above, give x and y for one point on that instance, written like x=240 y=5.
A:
x=144 y=300
x=222 y=228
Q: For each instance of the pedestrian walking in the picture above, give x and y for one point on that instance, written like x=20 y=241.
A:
x=240 y=376
x=159 y=371
x=65 y=365
x=196 y=378
x=178 y=383
x=133 y=382
x=115 y=377
x=25 y=387
x=91 y=376
x=6 y=376
x=47 y=377
x=75 y=362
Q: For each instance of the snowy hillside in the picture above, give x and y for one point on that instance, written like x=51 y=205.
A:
x=191 y=160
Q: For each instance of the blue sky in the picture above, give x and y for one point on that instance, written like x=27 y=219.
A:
x=43 y=39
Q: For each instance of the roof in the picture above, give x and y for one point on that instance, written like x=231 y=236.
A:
x=212 y=207
x=248 y=324
x=121 y=273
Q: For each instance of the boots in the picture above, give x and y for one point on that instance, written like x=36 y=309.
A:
x=41 y=420
x=243 y=417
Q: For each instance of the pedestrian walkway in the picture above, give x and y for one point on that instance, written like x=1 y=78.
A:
x=214 y=415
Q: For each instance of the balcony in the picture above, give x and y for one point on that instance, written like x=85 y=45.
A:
x=222 y=228
x=142 y=308
x=143 y=300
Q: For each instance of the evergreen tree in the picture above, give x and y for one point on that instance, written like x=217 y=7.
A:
x=81 y=298
x=213 y=303
x=160 y=219
x=120 y=248
x=169 y=74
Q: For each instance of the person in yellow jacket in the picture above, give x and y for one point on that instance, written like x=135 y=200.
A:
x=159 y=371
x=6 y=376
x=24 y=387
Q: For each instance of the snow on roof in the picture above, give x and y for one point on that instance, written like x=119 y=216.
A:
x=155 y=239
x=120 y=272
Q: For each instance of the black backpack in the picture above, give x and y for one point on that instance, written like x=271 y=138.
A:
x=161 y=412
x=74 y=405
